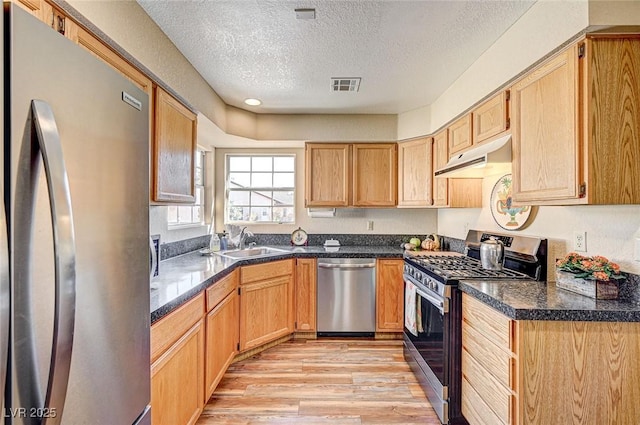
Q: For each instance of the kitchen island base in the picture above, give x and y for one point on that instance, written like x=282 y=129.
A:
x=550 y=372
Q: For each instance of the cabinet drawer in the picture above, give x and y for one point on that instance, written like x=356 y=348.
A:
x=495 y=395
x=474 y=409
x=169 y=329
x=495 y=360
x=490 y=323
x=221 y=289
x=266 y=271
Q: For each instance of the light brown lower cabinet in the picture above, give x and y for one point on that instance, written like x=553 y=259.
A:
x=531 y=372
x=266 y=303
x=389 y=295
x=177 y=371
x=222 y=329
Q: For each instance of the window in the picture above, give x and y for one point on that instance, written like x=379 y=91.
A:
x=183 y=215
x=260 y=188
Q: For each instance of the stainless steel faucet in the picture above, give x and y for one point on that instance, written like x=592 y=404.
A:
x=243 y=234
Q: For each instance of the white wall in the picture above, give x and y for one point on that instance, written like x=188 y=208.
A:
x=614 y=12
x=416 y=122
x=347 y=220
x=610 y=228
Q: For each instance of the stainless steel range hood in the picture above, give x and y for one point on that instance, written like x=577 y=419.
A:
x=490 y=158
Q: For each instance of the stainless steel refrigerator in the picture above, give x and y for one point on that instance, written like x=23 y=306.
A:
x=74 y=234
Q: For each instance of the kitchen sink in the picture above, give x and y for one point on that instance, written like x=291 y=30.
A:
x=257 y=251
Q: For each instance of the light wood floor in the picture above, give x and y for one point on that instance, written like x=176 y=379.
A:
x=321 y=382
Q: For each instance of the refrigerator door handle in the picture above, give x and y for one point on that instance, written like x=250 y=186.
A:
x=154 y=258
x=65 y=257
x=4 y=302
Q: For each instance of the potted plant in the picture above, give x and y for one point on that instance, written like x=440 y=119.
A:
x=595 y=277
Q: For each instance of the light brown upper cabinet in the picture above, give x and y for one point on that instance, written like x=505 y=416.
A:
x=51 y=16
x=415 y=173
x=454 y=193
x=38 y=8
x=327 y=175
x=491 y=118
x=460 y=135
x=440 y=159
x=174 y=150
x=576 y=126
x=375 y=174
x=356 y=174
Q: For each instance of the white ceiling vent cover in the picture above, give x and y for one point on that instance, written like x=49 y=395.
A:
x=345 y=84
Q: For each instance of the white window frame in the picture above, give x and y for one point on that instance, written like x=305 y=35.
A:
x=228 y=189
x=199 y=185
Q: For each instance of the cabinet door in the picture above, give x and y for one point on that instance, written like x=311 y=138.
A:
x=389 y=296
x=306 y=294
x=415 y=173
x=546 y=143
x=375 y=174
x=222 y=326
x=460 y=136
x=174 y=150
x=327 y=175
x=465 y=193
x=612 y=126
x=491 y=118
x=266 y=311
x=177 y=380
x=440 y=159
x=38 y=8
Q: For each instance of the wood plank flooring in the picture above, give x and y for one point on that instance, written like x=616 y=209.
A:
x=321 y=382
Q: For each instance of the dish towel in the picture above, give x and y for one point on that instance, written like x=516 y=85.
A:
x=410 y=308
x=419 y=321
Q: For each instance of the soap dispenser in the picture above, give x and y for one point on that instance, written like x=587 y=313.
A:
x=214 y=244
x=224 y=241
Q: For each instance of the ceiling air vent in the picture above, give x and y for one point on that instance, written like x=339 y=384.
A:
x=345 y=84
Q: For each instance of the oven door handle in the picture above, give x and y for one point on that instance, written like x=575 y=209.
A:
x=440 y=304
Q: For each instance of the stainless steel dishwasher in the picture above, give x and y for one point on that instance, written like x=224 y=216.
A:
x=346 y=296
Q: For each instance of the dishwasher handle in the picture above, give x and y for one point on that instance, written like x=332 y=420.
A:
x=346 y=266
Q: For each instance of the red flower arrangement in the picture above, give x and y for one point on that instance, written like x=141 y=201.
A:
x=591 y=268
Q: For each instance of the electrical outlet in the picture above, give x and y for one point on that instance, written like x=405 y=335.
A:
x=580 y=241
x=369 y=224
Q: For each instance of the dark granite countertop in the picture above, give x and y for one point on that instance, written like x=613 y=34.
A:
x=182 y=278
x=530 y=300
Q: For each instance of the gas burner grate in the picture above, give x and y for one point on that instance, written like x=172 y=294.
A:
x=459 y=267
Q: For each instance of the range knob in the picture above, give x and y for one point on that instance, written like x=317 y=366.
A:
x=432 y=285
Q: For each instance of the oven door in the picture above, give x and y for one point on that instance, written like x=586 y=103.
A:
x=427 y=351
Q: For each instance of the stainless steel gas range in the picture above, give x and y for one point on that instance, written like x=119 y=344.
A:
x=432 y=336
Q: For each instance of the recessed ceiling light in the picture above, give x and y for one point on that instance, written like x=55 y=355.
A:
x=253 y=102
x=305 y=13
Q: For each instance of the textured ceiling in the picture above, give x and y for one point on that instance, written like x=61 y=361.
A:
x=407 y=52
